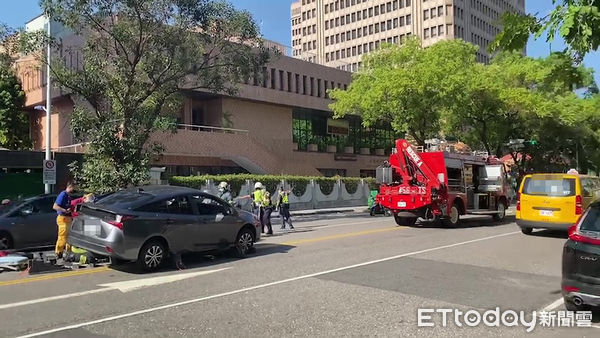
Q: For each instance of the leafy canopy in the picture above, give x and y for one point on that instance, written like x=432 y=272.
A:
x=407 y=85
x=138 y=58
x=576 y=21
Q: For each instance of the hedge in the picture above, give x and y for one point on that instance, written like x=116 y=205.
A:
x=298 y=183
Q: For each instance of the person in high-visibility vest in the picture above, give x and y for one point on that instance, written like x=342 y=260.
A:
x=283 y=204
x=268 y=209
x=258 y=201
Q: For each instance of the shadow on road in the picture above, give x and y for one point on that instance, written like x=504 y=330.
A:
x=471 y=222
x=201 y=260
x=551 y=233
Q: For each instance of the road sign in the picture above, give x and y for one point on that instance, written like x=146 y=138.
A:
x=49 y=175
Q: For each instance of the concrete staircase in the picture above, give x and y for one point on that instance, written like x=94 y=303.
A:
x=240 y=148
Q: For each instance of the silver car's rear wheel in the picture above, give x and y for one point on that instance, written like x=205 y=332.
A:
x=152 y=256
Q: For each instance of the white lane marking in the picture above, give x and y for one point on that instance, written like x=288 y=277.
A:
x=134 y=284
x=49 y=299
x=553 y=305
x=125 y=286
x=261 y=286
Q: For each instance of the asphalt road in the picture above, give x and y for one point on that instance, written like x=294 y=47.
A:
x=339 y=275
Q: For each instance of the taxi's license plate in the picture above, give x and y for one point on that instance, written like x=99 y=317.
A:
x=401 y=204
x=549 y=213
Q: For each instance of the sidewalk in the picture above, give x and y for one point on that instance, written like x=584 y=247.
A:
x=363 y=209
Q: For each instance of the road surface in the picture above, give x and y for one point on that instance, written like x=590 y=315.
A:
x=335 y=275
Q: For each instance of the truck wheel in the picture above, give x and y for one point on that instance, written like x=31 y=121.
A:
x=501 y=212
x=453 y=219
x=405 y=221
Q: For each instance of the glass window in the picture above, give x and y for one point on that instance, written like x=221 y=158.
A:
x=174 y=205
x=591 y=222
x=549 y=187
x=208 y=206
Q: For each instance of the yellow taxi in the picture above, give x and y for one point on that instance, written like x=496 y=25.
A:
x=554 y=201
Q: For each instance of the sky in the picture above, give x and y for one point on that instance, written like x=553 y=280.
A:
x=273 y=16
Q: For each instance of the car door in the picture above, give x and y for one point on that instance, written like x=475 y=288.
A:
x=218 y=225
x=174 y=217
x=34 y=223
x=42 y=222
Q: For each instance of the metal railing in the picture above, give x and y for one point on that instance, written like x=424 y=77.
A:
x=71 y=146
x=212 y=129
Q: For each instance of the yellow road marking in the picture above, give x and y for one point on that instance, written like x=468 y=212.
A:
x=105 y=268
x=55 y=276
x=352 y=234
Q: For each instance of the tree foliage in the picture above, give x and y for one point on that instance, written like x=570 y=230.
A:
x=442 y=92
x=407 y=85
x=576 y=21
x=138 y=57
x=14 y=123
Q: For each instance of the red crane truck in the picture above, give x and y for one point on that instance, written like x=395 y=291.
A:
x=437 y=185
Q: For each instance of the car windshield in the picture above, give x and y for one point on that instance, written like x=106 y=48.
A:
x=555 y=187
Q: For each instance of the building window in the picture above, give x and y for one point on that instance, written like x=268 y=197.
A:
x=389 y=24
x=408 y=3
x=441 y=30
x=360 y=49
x=408 y=17
x=426 y=33
x=433 y=13
x=325 y=87
x=376 y=10
x=383 y=26
x=425 y=14
x=353 y=51
x=401 y=21
x=318 y=87
x=303 y=84
x=395 y=23
x=441 y=11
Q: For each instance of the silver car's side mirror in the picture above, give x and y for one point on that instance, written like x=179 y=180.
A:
x=219 y=217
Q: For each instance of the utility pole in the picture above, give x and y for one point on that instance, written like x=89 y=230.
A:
x=47 y=187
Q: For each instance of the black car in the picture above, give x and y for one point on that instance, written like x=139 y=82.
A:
x=581 y=262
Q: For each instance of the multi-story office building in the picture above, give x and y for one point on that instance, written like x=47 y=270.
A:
x=337 y=32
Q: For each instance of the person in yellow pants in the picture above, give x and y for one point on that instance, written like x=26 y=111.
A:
x=62 y=205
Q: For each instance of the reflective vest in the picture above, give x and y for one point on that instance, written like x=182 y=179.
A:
x=266 y=200
x=258 y=197
x=285 y=199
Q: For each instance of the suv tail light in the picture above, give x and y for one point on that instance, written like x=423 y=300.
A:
x=578 y=205
x=576 y=235
x=118 y=222
x=518 y=201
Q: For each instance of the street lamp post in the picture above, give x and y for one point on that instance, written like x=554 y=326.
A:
x=47 y=187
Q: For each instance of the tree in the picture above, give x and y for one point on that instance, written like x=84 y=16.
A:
x=138 y=57
x=576 y=21
x=14 y=123
x=407 y=85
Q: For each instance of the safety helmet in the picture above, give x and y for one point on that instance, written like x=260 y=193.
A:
x=223 y=185
x=258 y=185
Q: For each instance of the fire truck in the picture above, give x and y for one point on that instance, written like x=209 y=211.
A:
x=441 y=185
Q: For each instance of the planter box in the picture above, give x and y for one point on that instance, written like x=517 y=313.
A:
x=295 y=146
x=312 y=147
x=365 y=151
x=331 y=148
x=380 y=152
x=348 y=150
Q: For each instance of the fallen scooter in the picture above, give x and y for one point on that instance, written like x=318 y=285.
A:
x=377 y=209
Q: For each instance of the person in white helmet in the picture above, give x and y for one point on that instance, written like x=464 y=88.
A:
x=225 y=192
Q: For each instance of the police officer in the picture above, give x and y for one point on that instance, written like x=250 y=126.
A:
x=283 y=204
x=258 y=199
x=225 y=193
x=268 y=209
